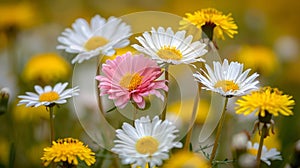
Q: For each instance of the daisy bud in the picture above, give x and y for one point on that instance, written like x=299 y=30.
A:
x=4 y=96
x=239 y=144
x=240 y=140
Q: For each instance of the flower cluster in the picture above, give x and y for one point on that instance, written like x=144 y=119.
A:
x=141 y=74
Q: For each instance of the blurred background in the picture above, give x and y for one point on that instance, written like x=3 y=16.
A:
x=267 y=42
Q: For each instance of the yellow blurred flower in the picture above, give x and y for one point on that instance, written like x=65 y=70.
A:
x=4 y=150
x=291 y=72
x=259 y=58
x=265 y=101
x=119 y=51
x=211 y=18
x=184 y=110
x=19 y=15
x=23 y=113
x=188 y=159
x=68 y=151
x=269 y=141
x=46 y=68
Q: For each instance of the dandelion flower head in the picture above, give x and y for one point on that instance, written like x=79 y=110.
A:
x=68 y=150
x=211 y=18
x=266 y=100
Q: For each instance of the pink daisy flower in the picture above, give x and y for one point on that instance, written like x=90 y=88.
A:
x=130 y=78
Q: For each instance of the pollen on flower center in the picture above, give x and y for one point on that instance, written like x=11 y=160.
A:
x=95 y=42
x=253 y=151
x=147 y=145
x=227 y=85
x=49 y=96
x=169 y=53
x=131 y=81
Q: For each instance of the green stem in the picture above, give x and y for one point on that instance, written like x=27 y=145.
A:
x=52 y=116
x=12 y=156
x=134 y=113
x=194 y=113
x=219 y=130
x=13 y=62
x=261 y=143
x=164 y=113
x=100 y=106
x=101 y=161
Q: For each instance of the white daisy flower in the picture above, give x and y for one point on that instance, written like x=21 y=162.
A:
x=168 y=48
x=100 y=37
x=266 y=155
x=48 y=96
x=149 y=142
x=227 y=80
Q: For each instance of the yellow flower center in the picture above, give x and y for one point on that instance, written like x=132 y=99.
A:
x=131 y=81
x=253 y=151
x=95 y=42
x=227 y=85
x=169 y=53
x=147 y=145
x=49 y=96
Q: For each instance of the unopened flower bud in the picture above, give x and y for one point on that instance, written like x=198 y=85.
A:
x=239 y=145
x=4 y=96
x=240 y=140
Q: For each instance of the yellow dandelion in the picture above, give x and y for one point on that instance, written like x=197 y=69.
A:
x=265 y=101
x=259 y=58
x=19 y=15
x=23 y=113
x=291 y=72
x=211 y=19
x=68 y=150
x=186 y=159
x=46 y=68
